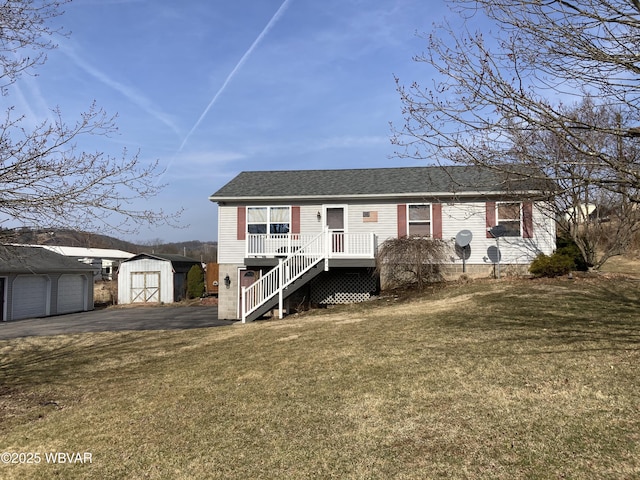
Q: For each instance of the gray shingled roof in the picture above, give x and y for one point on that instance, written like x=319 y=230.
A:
x=364 y=182
x=173 y=258
x=19 y=259
x=179 y=263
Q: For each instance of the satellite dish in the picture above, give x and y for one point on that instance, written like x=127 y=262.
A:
x=463 y=252
x=464 y=237
x=498 y=231
x=494 y=254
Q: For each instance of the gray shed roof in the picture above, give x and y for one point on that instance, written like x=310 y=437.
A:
x=19 y=259
x=173 y=258
x=179 y=263
x=370 y=182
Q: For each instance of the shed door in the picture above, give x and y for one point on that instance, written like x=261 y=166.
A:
x=30 y=296
x=145 y=287
x=72 y=292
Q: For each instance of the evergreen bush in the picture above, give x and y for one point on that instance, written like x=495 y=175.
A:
x=552 y=265
x=195 y=282
x=569 y=248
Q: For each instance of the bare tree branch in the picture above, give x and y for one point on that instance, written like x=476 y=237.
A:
x=46 y=179
x=555 y=89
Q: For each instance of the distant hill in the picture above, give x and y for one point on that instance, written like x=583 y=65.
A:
x=204 y=251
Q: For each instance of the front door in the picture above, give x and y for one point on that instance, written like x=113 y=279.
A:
x=247 y=278
x=335 y=223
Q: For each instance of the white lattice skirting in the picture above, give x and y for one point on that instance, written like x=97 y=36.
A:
x=337 y=288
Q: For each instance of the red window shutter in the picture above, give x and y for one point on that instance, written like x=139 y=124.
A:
x=402 y=221
x=527 y=220
x=436 y=210
x=295 y=220
x=242 y=223
x=491 y=217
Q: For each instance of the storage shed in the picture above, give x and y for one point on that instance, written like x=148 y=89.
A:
x=35 y=282
x=154 y=278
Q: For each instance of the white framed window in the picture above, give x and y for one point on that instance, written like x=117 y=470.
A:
x=419 y=219
x=272 y=220
x=509 y=216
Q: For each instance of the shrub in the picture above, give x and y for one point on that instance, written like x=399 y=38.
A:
x=195 y=282
x=410 y=261
x=569 y=248
x=552 y=266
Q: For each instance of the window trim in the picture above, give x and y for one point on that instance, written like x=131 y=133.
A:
x=410 y=222
x=268 y=220
x=520 y=219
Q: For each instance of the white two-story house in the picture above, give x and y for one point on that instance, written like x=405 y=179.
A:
x=316 y=232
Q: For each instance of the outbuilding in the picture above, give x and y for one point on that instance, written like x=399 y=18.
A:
x=35 y=282
x=154 y=278
x=105 y=259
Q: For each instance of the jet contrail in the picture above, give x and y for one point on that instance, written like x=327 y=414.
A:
x=128 y=92
x=244 y=58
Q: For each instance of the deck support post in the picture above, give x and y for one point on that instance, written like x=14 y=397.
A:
x=243 y=303
x=280 y=289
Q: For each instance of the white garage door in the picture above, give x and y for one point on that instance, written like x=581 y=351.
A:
x=71 y=293
x=30 y=296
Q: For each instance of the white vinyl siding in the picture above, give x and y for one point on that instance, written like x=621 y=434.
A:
x=230 y=249
x=515 y=250
x=467 y=216
x=309 y=221
x=456 y=216
x=384 y=228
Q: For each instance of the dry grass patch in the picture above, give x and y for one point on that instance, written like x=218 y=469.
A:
x=518 y=379
x=626 y=265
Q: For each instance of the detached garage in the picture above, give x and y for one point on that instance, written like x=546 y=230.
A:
x=154 y=278
x=35 y=282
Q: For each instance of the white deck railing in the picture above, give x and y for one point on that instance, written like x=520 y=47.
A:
x=303 y=258
x=298 y=254
x=337 y=245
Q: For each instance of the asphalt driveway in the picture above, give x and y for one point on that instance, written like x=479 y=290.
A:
x=116 y=319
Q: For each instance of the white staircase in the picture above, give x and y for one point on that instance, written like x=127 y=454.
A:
x=303 y=257
x=274 y=283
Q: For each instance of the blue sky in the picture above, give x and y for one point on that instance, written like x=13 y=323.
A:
x=211 y=88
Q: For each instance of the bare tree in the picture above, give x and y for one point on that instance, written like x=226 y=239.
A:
x=498 y=95
x=602 y=222
x=46 y=180
x=411 y=260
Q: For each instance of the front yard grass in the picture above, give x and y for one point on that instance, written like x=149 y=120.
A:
x=506 y=379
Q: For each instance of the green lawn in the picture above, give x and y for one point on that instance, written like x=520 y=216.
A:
x=510 y=379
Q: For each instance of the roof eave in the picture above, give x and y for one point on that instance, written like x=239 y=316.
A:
x=369 y=196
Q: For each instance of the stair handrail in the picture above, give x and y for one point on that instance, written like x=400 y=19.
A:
x=288 y=270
